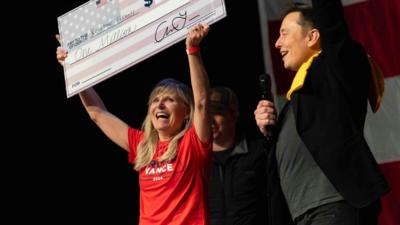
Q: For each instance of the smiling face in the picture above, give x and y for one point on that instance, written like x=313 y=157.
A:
x=296 y=43
x=168 y=114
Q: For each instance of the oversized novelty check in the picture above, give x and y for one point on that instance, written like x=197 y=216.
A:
x=105 y=37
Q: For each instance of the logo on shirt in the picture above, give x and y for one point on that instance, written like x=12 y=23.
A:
x=157 y=170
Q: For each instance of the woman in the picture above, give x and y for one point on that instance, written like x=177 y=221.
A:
x=172 y=151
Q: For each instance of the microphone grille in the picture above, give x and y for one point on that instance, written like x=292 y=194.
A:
x=265 y=82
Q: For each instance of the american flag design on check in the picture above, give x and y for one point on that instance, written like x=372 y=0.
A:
x=106 y=37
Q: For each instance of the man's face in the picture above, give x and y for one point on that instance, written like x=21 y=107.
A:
x=293 y=42
x=223 y=126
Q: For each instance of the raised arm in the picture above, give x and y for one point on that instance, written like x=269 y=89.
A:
x=200 y=84
x=330 y=21
x=348 y=61
x=112 y=126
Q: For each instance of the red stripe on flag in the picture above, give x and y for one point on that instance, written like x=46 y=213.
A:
x=376 y=24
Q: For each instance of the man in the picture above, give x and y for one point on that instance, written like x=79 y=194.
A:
x=237 y=193
x=322 y=163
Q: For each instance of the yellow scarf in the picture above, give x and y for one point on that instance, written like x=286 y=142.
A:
x=300 y=76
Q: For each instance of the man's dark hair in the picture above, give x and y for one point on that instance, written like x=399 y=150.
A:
x=306 y=14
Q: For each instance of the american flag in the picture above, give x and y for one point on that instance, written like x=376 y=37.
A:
x=76 y=26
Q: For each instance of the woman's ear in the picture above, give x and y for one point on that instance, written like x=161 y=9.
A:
x=187 y=117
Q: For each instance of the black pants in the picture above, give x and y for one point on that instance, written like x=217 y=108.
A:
x=340 y=213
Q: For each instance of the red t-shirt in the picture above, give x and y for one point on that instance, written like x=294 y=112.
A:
x=174 y=192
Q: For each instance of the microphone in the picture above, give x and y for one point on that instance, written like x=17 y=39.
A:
x=265 y=88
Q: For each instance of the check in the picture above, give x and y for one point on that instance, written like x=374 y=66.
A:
x=105 y=37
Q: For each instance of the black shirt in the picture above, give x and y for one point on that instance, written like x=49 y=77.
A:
x=237 y=192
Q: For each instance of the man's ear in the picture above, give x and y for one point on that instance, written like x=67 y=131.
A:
x=313 y=38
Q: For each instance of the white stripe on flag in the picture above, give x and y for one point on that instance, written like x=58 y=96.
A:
x=382 y=129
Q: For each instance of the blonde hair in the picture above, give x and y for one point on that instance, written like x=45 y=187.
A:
x=148 y=145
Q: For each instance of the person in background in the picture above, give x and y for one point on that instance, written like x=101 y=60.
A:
x=172 y=151
x=320 y=163
x=237 y=192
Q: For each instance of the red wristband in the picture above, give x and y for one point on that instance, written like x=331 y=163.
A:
x=192 y=50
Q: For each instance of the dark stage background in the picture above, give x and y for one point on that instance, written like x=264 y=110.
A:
x=74 y=174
